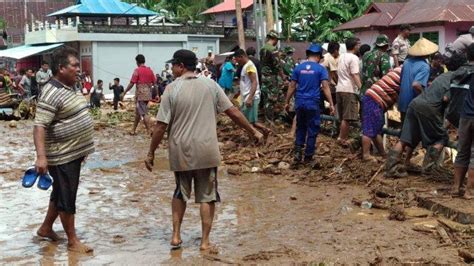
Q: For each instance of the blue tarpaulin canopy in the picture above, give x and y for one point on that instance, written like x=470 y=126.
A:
x=109 y=8
x=27 y=50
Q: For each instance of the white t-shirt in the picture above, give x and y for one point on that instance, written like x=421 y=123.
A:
x=348 y=64
x=97 y=90
x=246 y=82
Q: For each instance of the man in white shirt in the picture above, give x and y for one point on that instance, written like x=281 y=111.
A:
x=43 y=75
x=347 y=88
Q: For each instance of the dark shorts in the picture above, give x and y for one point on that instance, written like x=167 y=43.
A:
x=423 y=127
x=141 y=108
x=465 y=157
x=372 y=118
x=66 y=182
x=347 y=106
x=205 y=185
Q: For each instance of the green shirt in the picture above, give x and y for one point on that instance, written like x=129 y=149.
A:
x=269 y=60
x=375 y=65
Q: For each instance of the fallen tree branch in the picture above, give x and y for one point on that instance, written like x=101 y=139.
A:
x=375 y=175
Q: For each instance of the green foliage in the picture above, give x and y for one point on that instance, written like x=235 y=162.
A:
x=314 y=20
x=179 y=10
x=3 y=23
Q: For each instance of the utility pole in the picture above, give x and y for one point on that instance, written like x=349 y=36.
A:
x=240 y=24
x=269 y=14
x=256 y=21
x=277 y=20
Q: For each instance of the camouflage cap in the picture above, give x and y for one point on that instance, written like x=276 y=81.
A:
x=289 y=50
x=273 y=34
x=382 y=40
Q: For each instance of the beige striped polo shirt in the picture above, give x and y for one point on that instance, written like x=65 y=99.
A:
x=69 y=127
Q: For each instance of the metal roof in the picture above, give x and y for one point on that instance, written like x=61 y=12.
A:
x=412 y=12
x=377 y=14
x=112 y=8
x=423 y=11
x=27 y=50
x=227 y=6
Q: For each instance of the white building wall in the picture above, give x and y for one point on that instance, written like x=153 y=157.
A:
x=201 y=45
x=367 y=37
x=156 y=54
x=114 y=59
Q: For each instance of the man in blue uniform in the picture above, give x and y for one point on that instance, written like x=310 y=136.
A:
x=306 y=80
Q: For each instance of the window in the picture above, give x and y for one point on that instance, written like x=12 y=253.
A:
x=431 y=35
x=414 y=37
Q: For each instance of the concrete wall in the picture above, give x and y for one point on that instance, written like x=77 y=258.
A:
x=454 y=29
x=367 y=37
x=111 y=59
x=447 y=33
x=201 y=45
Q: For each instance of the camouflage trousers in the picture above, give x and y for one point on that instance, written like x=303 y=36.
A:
x=272 y=96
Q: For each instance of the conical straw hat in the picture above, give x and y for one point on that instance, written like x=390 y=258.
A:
x=423 y=47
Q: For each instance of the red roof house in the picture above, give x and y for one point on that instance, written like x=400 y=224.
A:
x=225 y=12
x=439 y=21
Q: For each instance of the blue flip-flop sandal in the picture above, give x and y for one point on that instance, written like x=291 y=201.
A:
x=45 y=181
x=30 y=177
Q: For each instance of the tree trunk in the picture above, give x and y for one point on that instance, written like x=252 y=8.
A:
x=269 y=13
x=240 y=24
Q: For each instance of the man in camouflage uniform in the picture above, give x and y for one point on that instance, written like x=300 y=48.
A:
x=287 y=65
x=288 y=61
x=271 y=77
x=375 y=64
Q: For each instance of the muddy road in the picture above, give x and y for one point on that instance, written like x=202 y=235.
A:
x=124 y=214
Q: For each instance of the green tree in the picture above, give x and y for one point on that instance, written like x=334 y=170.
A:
x=317 y=18
x=181 y=10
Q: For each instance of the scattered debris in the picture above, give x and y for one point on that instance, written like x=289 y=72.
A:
x=397 y=213
x=466 y=255
x=268 y=255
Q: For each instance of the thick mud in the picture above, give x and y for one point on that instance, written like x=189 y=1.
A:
x=124 y=214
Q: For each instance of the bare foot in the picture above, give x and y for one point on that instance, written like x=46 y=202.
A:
x=50 y=234
x=342 y=142
x=211 y=249
x=370 y=158
x=455 y=192
x=176 y=243
x=79 y=248
x=468 y=196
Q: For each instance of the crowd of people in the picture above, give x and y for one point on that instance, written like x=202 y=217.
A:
x=27 y=82
x=432 y=92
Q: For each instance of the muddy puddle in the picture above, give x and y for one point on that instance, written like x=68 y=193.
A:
x=124 y=213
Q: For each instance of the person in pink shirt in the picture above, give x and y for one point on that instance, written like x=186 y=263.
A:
x=143 y=78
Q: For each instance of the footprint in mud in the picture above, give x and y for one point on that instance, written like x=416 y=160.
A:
x=118 y=239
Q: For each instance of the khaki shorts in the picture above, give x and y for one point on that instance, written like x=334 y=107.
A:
x=347 y=106
x=205 y=185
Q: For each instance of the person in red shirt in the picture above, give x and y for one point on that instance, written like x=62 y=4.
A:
x=144 y=79
x=87 y=82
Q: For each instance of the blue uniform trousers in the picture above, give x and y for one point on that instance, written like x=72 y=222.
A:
x=307 y=128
